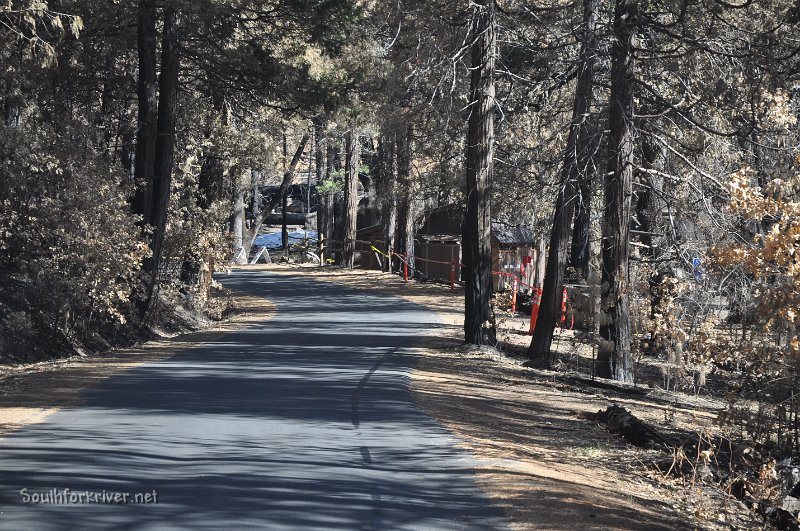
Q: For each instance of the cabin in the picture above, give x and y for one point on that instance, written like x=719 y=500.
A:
x=437 y=245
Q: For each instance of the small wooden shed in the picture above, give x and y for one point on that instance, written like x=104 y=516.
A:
x=439 y=239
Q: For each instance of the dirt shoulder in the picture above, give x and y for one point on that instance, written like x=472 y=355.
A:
x=542 y=460
x=31 y=393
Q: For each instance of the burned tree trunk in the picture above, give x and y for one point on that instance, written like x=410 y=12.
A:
x=477 y=238
x=576 y=161
x=614 y=352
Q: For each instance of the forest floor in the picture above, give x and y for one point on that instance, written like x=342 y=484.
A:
x=543 y=458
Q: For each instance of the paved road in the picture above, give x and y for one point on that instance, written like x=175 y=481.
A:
x=304 y=421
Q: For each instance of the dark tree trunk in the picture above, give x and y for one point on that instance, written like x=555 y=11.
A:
x=148 y=108
x=575 y=163
x=165 y=139
x=479 y=326
x=642 y=222
x=404 y=193
x=614 y=352
x=352 y=163
x=581 y=231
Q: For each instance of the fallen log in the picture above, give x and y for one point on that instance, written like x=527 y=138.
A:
x=620 y=421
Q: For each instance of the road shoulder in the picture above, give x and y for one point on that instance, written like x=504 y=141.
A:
x=29 y=394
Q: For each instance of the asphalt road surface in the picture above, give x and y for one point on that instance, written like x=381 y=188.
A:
x=303 y=421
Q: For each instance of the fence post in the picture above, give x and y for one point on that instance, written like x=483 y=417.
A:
x=452 y=276
x=514 y=296
x=405 y=267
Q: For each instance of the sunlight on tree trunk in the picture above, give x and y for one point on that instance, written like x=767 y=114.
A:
x=614 y=352
x=479 y=322
x=350 y=198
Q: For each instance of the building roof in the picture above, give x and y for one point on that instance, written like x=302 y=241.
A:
x=507 y=234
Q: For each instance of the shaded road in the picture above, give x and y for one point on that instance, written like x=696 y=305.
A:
x=303 y=421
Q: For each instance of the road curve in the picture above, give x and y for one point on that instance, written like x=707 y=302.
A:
x=304 y=421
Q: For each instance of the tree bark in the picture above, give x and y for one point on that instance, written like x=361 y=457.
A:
x=165 y=139
x=541 y=262
x=350 y=198
x=330 y=215
x=237 y=227
x=284 y=230
x=404 y=192
x=614 y=352
x=147 y=91
x=390 y=200
x=479 y=326
x=576 y=160
x=319 y=173
x=582 y=229
x=643 y=221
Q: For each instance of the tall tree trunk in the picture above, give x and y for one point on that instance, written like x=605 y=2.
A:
x=390 y=200
x=319 y=173
x=581 y=231
x=284 y=230
x=614 y=352
x=405 y=195
x=575 y=162
x=350 y=198
x=479 y=325
x=642 y=222
x=330 y=216
x=147 y=90
x=237 y=227
x=541 y=262
x=165 y=137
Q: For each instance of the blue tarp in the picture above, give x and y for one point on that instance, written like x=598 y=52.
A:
x=272 y=240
